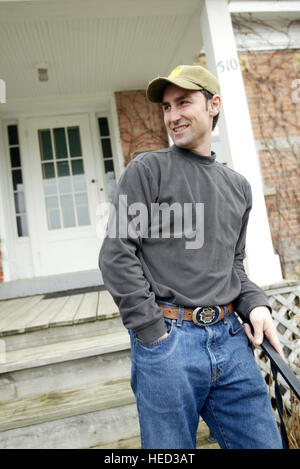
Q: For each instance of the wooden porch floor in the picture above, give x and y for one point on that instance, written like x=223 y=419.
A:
x=31 y=313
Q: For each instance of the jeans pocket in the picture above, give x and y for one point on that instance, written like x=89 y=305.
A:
x=170 y=326
x=235 y=325
x=159 y=351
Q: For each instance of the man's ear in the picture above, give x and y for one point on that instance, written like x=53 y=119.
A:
x=215 y=105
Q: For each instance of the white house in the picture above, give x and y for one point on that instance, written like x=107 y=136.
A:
x=64 y=67
x=60 y=148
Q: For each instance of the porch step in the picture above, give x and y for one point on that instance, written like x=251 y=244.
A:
x=74 y=418
x=42 y=355
x=64 y=373
x=34 y=321
x=58 y=405
x=135 y=441
x=101 y=416
x=57 y=366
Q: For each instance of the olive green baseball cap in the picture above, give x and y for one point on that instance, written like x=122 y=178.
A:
x=188 y=77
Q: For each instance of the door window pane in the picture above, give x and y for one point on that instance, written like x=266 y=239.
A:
x=83 y=216
x=63 y=168
x=65 y=185
x=81 y=199
x=74 y=142
x=82 y=209
x=48 y=171
x=12 y=131
x=77 y=167
x=22 y=225
x=111 y=185
x=106 y=148
x=15 y=160
x=60 y=143
x=45 y=145
x=51 y=202
x=103 y=126
x=50 y=187
x=109 y=166
x=79 y=183
x=17 y=179
x=67 y=211
x=53 y=219
x=19 y=202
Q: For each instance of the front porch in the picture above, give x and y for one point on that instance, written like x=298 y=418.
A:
x=65 y=369
x=65 y=374
x=42 y=311
x=64 y=361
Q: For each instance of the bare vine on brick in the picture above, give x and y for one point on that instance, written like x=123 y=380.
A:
x=270 y=77
x=141 y=123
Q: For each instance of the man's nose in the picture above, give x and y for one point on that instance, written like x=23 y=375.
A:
x=174 y=116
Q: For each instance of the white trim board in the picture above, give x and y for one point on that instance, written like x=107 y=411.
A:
x=31 y=107
x=242 y=6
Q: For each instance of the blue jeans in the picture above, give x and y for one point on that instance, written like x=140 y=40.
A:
x=201 y=371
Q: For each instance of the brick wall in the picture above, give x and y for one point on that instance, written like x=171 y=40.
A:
x=140 y=123
x=271 y=82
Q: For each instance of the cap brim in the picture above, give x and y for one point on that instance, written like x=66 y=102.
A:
x=156 y=87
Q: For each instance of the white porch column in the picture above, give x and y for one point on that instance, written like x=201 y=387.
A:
x=237 y=140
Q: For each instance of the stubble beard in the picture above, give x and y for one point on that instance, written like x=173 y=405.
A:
x=184 y=141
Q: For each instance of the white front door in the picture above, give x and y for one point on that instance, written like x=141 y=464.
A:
x=62 y=194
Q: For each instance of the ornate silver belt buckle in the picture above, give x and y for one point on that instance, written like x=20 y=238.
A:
x=206 y=315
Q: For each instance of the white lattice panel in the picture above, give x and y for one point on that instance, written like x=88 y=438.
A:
x=285 y=303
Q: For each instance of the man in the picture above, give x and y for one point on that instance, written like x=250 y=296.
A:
x=179 y=298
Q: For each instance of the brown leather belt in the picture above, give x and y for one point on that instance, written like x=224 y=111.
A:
x=201 y=316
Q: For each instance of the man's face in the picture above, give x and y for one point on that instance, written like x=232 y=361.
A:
x=187 y=117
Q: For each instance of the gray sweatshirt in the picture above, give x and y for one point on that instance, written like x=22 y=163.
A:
x=181 y=239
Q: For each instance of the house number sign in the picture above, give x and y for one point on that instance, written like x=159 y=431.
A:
x=227 y=65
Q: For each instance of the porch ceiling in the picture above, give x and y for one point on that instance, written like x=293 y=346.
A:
x=94 y=46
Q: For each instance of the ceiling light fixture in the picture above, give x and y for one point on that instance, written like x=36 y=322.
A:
x=42 y=69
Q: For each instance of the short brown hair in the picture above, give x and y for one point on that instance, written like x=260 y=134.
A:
x=209 y=96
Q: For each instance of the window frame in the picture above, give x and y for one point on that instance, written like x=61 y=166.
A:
x=107 y=116
x=10 y=187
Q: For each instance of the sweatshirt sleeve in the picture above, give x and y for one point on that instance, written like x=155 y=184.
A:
x=251 y=295
x=118 y=259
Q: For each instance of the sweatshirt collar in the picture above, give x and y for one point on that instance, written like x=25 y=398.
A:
x=203 y=159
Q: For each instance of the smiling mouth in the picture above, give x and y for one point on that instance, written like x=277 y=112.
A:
x=180 y=128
